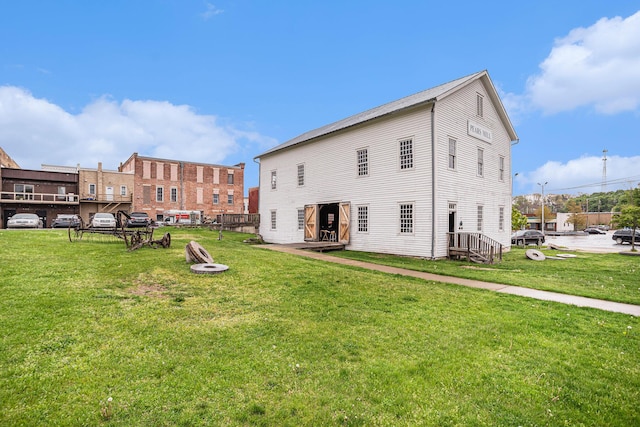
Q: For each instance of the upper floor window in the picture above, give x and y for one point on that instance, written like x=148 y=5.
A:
x=501 y=168
x=406 y=154
x=123 y=190
x=174 y=194
x=363 y=162
x=406 y=218
x=92 y=189
x=479 y=105
x=216 y=198
x=229 y=199
x=274 y=180
x=230 y=178
x=159 y=194
x=301 y=175
x=25 y=191
x=480 y=162
x=452 y=153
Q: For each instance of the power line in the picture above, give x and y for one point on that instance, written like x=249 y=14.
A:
x=603 y=183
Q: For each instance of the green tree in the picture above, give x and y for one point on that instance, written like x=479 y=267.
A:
x=576 y=218
x=518 y=221
x=629 y=215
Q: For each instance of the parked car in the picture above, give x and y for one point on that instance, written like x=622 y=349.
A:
x=526 y=237
x=138 y=219
x=625 y=235
x=65 y=221
x=24 y=220
x=594 y=230
x=103 y=220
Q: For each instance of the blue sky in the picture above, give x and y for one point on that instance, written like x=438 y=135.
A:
x=83 y=82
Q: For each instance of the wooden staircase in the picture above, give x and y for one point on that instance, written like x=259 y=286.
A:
x=475 y=247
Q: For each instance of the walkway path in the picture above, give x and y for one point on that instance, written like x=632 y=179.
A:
x=616 y=307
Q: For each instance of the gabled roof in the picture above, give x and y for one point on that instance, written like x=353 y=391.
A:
x=425 y=97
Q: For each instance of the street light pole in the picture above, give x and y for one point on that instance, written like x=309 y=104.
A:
x=542 y=213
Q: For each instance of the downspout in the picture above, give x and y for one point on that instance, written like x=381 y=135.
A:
x=259 y=198
x=181 y=185
x=433 y=180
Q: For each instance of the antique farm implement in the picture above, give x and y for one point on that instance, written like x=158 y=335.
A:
x=134 y=238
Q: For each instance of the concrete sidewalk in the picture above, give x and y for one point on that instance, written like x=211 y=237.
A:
x=615 y=307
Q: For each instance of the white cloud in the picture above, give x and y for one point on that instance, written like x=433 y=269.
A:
x=35 y=131
x=211 y=11
x=583 y=175
x=596 y=66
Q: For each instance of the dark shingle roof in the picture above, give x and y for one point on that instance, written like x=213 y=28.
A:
x=424 y=97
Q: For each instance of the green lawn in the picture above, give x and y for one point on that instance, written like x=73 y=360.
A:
x=612 y=277
x=280 y=340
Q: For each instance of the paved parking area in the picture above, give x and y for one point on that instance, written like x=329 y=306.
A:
x=597 y=243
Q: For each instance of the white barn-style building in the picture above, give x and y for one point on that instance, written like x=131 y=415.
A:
x=400 y=178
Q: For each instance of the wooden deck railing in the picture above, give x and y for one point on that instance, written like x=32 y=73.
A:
x=22 y=197
x=231 y=220
x=475 y=247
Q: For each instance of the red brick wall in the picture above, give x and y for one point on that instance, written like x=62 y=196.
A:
x=187 y=186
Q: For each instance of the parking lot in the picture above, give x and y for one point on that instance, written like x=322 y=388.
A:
x=589 y=242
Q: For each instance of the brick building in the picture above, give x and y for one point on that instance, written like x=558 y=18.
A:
x=162 y=185
x=44 y=193
x=6 y=161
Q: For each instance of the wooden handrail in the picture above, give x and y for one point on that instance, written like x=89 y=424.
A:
x=475 y=243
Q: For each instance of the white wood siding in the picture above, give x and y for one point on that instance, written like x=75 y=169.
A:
x=462 y=186
x=331 y=176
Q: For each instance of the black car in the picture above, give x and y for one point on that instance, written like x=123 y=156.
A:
x=594 y=230
x=526 y=237
x=138 y=219
x=65 y=221
x=625 y=235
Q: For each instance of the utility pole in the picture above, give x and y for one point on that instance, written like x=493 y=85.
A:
x=603 y=187
x=542 y=213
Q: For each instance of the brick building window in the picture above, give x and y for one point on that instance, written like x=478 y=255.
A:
x=216 y=198
x=159 y=194
x=174 y=194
